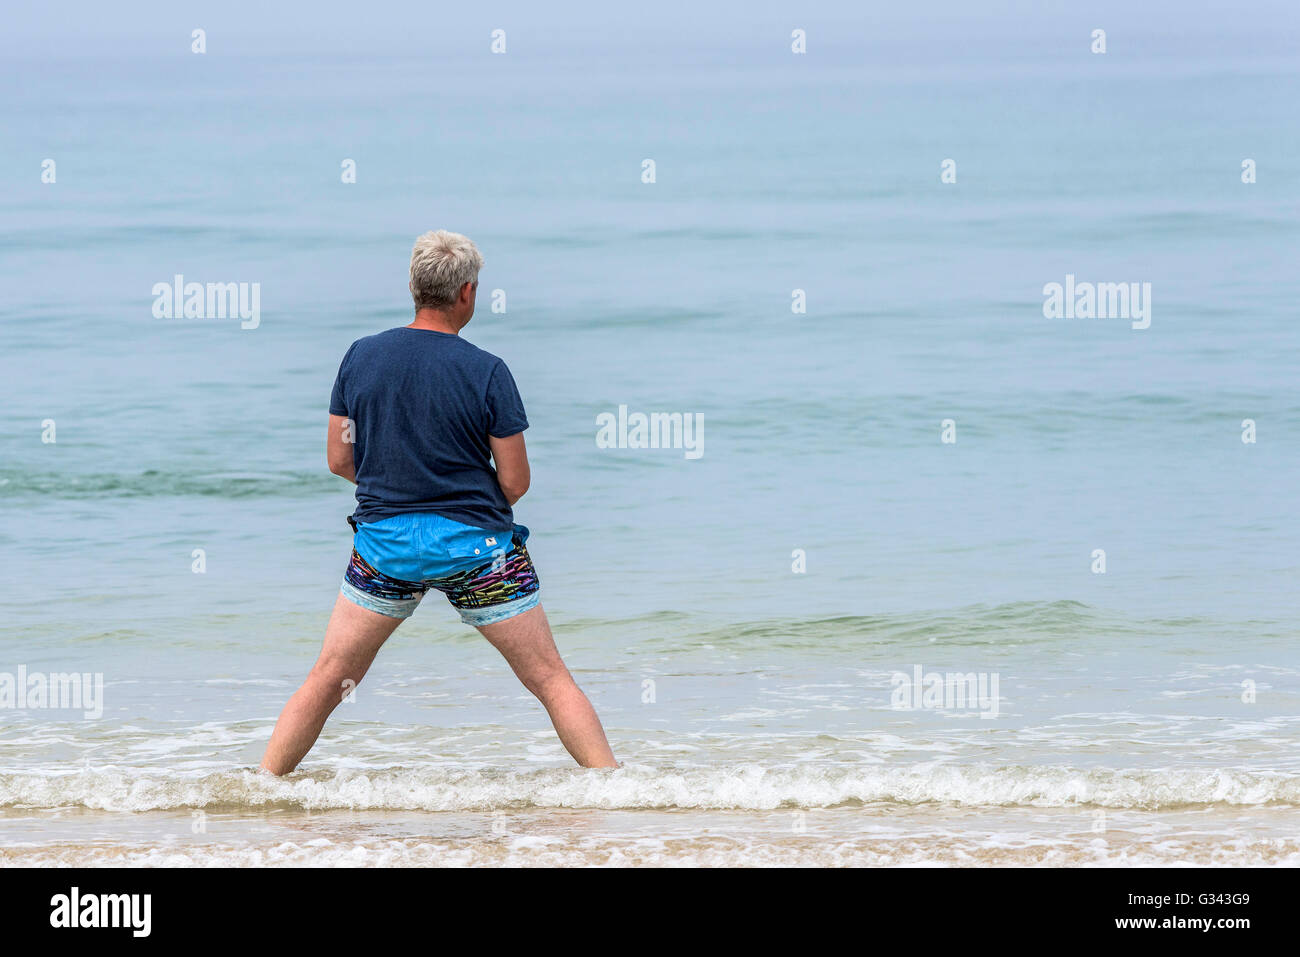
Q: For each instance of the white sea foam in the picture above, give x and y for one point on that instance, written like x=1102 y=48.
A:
x=710 y=851
x=743 y=787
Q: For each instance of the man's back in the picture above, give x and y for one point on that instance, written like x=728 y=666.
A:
x=424 y=403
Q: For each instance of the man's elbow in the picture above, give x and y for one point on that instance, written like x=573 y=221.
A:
x=514 y=490
x=340 y=465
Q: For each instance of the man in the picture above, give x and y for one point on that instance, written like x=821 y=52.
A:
x=415 y=414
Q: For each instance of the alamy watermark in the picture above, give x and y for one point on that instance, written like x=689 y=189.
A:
x=1102 y=300
x=24 y=690
x=179 y=299
x=76 y=909
x=656 y=430
x=950 y=691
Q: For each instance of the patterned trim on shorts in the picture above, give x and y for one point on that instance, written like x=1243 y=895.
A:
x=503 y=586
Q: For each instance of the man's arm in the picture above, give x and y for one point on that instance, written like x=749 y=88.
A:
x=338 y=448
x=511 y=460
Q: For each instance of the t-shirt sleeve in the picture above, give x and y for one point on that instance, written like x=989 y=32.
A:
x=505 y=407
x=339 y=405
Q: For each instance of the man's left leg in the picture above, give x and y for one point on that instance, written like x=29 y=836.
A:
x=352 y=639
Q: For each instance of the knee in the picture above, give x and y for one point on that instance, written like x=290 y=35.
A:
x=549 y=684
x=335 y=672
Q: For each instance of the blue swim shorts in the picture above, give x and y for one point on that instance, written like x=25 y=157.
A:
x=486 y=574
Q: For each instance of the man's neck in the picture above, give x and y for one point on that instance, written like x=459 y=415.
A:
x=436 y=321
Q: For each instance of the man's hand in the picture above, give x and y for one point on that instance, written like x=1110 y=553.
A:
x=511 y=460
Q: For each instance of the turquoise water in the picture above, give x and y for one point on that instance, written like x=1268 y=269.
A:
x=1120 y=691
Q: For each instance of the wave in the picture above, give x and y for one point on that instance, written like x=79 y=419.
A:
x=744 y=787
x=1020 y=622
x=151 y=483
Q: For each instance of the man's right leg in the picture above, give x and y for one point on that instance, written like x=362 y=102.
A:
x=352 y=639
x=528 y=647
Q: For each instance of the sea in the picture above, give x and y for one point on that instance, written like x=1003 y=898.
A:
x=953 y=580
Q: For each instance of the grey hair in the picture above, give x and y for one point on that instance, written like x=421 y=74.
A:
x=441 y=263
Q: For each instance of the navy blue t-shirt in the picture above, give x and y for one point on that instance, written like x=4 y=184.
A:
x=424 y=404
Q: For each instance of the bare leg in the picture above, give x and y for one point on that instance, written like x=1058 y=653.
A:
x=526 y=643
x=352 y=639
